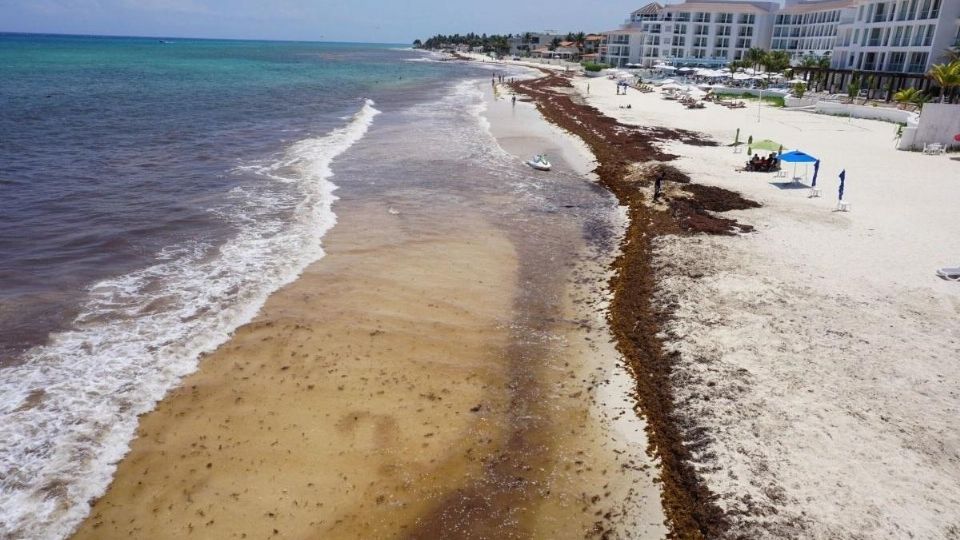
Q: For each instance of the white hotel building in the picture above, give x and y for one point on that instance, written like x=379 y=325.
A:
x=893 y=36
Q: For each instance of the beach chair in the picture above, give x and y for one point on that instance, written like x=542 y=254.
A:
x=933 y=149
x=949 y=274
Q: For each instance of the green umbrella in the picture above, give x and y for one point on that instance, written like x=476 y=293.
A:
x=767 y=144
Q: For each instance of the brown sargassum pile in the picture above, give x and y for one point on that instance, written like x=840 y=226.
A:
x=629 y=159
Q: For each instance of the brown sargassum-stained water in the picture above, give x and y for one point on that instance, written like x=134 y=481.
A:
x=444 y=372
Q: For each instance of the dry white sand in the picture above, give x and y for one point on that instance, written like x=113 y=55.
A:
x=820 y=354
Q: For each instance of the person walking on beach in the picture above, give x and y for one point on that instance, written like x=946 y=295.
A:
x=657 y=187
x=514 y=100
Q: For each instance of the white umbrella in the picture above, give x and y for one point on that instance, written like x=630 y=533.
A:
x=673 y=86
x=664 y=67
x=741 y=76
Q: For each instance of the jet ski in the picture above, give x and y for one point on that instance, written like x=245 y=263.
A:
x=539 y=162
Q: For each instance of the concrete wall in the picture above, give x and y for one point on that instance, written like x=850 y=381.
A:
x=752 y=91
x=865 y=111
x=939 y=123
x=791 y=101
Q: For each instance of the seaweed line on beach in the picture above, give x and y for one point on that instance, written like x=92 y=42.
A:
x=689 y=505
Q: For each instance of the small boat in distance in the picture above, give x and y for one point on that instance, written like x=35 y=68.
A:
x=165 y=42
x=539 y=162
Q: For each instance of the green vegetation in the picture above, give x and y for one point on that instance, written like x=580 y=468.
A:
x=594 y=67
x=495 y=43
x=947 y=76
x=799 y=90
x=853 y=89
x=910 y=96
x=776 y=101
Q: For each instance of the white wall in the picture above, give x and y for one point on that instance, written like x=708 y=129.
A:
x=939 y=123
x=865 y=111
x=752 y=91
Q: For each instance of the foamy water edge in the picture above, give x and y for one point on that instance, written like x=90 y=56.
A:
x=69 y=411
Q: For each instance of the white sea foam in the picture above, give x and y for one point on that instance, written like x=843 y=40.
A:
x=69 y=411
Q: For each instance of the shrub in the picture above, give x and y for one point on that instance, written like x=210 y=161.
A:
x=799 y=90
x=594 y=67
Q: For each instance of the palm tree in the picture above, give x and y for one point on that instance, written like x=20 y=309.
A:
x=580 y=38
x=756 y=56
x=775 y=61
x=947 y=76
x=910 y=96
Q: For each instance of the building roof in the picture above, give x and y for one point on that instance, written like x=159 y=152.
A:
x=627 y=30
x=811 y=6
x=725 y=6
x=650 y=9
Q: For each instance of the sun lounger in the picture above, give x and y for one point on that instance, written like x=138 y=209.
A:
x=951 y=274
x=933 y=149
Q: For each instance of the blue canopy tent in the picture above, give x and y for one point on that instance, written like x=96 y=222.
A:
x=795 y=157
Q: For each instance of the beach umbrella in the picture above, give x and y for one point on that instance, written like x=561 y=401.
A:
x=843 y=180
x=795 y=157
x=767 y=144
x=816 y=169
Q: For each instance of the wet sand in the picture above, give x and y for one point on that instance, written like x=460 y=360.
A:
x=437 y=374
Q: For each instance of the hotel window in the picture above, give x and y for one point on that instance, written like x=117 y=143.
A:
x=721 y=43
x=918 y=63
x=906 y=36
x=720 y=53
x=928 y=39
x=896 y=61
x=725 y=18
x=935 y=10
x=860 y=14
x=738 y=55
x=701 y=17
x=874 y=40
x=880 y=13
x=747 y=18
x=678 y=41
x=699 y=53
x=745 y=31
x=723 y=30
x=743 y=43
x=912 y=12
x=924 y=10
x=676 y=53
x=655 y=29
x=701 y=30
x=679 y=29
x=918 y=36
x=683 y=17
x=699 y=42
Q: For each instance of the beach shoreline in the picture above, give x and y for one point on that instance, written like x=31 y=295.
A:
x=385 y=395
x=791 y=347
